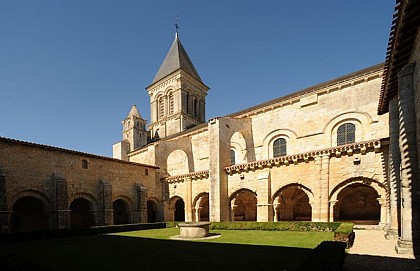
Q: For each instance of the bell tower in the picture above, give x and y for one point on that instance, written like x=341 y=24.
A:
x=177 y=94
x=134 y=135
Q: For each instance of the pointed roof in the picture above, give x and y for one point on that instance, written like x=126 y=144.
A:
x=177 y=58
x=134 y=112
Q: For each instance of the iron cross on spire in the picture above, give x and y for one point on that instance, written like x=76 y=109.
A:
x=176 y=24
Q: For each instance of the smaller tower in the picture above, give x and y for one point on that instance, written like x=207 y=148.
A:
x=134 y=134
x=134 y=129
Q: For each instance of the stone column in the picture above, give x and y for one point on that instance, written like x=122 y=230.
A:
x=325 y=179
x=198 y=213
x=61 y=203
x=107 y=207
x=316 y=211
x=232 y=209
x=384 y=217
x=188 y=200
x=332 y=204
x=264 y=207
x=409 y=170
x=218 y=158
x=394 y=170
x=141 y=204
x=4 y=211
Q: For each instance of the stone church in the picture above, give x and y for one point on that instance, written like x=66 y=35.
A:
x=315 y=155
x=324 y=153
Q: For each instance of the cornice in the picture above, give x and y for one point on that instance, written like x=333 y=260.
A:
x=344 y=82
x=204 y=174
x=349 y=149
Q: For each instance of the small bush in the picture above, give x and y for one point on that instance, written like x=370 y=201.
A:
x=344 y=233
x=276 y=226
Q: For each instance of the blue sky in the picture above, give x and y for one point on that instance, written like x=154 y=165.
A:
x=71 y=70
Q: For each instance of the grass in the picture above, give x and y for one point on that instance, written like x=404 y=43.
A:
x=151 y=250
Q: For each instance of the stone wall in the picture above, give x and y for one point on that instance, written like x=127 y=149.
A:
x=57 y=177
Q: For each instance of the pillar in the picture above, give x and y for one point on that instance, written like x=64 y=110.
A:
x=4 y=211
x=384 y=217
x=232 y=209
x=107 y=207
x=219 y=157
x=394 y=171
x=141 y=204
x=62 y=210
x=409 y=170
x=316 y=211
x=325 y=192
x=264 y=206
x=332 y=204
x=188 y=200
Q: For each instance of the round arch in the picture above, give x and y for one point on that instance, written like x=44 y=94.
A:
x=287 y=134
x=238 y=144
x=29 y=214
x=359 y=200
x=361 y=120
x=201 y=207
x=82 y=211
x=243 y=205
x=177 y=163
x=292 y=202
x=152 y=206
x=122 y=211
x=177 y=207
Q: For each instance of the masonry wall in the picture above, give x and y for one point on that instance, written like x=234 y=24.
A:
x=35 y=170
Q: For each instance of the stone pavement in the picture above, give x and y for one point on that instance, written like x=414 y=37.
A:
x=371 y=251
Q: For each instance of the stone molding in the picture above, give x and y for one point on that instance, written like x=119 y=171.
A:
x=349 y=149
x=204 y=174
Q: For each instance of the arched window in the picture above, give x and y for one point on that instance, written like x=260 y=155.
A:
x=279 y=147
x=187 y=103
x=85 y=164
x=195 y=107
x=171 y=103
x=346 y=134
x=161 y=108
x=232 y=157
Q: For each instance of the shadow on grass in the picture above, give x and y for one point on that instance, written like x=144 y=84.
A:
x=108 y=252
x=369 y=262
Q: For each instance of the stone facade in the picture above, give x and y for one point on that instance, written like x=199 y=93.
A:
x=43 y=187
x=229 y=169
x=400 y=97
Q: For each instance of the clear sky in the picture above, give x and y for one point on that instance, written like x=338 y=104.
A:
x=71 y=70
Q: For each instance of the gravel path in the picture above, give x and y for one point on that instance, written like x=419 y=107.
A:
x=371 y=251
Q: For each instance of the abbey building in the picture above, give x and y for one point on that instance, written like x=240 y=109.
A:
x=344 y=150
x=315 y=155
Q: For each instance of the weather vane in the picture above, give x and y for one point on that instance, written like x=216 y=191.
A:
x=176 y=24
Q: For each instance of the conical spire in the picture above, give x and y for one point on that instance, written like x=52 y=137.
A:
x=177 y=58
x=134 y=112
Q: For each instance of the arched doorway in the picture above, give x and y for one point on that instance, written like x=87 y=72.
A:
x=245 y=206
x=201 y=207
x=358 y=203
x=179 y=213
x=121 y=213
x=151 y=211
x=29 y=215
x=81 y=215
x=292 y=204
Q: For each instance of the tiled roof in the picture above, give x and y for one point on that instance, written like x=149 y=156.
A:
x=177 y=58
x=406 y=21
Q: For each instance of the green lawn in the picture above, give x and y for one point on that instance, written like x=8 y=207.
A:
x=151 y=250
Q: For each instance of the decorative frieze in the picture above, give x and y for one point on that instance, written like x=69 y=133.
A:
x=193 y=176
x=362 y=147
